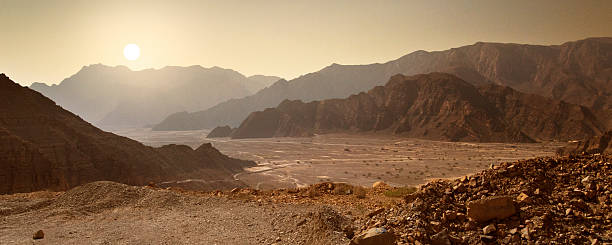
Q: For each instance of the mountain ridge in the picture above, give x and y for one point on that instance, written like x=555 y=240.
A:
x=579 y=72
x=436 y=106
x=116 y=96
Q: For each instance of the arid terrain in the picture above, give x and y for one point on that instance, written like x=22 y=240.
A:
x=538 y=201
x=356 y=159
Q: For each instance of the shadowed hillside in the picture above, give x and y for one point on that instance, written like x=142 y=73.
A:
x=43 y=146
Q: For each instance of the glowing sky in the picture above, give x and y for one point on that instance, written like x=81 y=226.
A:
x=47 y=41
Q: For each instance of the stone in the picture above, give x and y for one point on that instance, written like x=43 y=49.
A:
x=441 y=238
x=38 y=235
x=488 y=229
x=525 y=233
x=537 y=192
x=523 y=198
x=374 y=236
x=449 y=215
x=376 y=212
x=586 y=180
x=487 y=238
x=498 y=207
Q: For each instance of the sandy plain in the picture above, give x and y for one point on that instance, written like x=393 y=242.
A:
x=358 y=159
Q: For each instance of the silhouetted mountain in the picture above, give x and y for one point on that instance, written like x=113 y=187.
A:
x=578 y=72
x=43 y=146
x=259 y=82
x=112 y=97
x=436 y=106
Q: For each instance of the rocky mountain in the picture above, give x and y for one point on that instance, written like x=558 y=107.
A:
x=578 y=72
x=220 y=132
x=43 y=146
x=598 y=144
x=436 y=106
x=115 y=97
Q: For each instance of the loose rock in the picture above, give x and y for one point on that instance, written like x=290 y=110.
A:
x=374 y=236
x=483 y=210
x=39 y=235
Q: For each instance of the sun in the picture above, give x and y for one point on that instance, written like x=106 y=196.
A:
x=131 y=51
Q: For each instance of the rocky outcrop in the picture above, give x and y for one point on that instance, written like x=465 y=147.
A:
x=433 y=106
x=597 y=144
x=114 y=97
x=43 y=146
x=220 y=132
x=577 y=72
x=569 y=203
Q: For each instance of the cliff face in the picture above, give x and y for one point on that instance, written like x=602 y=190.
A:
x=577 y=72
x=434 y=106
x=597 y=144
x=43 y=146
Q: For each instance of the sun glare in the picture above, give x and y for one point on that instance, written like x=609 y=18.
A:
x=131 y=51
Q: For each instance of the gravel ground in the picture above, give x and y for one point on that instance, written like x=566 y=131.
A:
x=112 y=213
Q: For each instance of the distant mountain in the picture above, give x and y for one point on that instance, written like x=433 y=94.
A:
x=43 y=146
x=259 y=82
x=114 y=97
x=578 y=72
x=220 y=132
x=435 y=106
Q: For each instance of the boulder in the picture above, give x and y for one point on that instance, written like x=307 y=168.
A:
x=498 y=207
x=374 y=236
x=38 y=235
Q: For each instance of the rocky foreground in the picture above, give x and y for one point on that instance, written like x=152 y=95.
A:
x=563 y=200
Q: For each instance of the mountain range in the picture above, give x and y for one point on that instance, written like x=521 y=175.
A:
x=578 y=72
x=43 y=146
x=117 y=97
x=437 y=106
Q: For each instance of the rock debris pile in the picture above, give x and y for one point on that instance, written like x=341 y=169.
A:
x=564 y=200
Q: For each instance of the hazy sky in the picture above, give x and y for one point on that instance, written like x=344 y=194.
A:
x=47 y=41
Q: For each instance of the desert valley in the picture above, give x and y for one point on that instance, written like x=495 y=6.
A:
x=484 y=143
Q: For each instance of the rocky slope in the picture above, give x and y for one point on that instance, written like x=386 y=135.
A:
x=578 y=72
x=43 y=146
x=597 y=144
x=434 y=106
x=112 y=97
